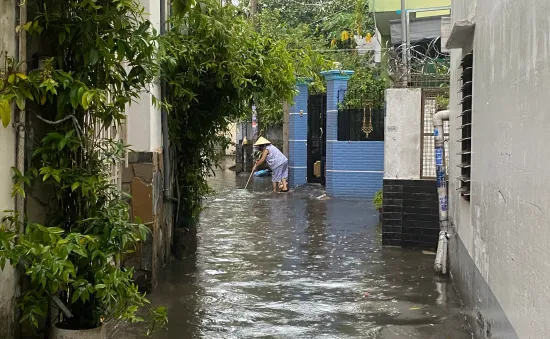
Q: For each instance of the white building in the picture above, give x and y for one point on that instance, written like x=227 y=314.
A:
x=500 y=247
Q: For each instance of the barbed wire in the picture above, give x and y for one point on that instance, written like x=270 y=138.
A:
x=417 y=61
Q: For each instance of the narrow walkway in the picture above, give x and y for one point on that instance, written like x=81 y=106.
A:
x=293 y=266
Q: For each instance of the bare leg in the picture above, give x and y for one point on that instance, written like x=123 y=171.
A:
x=275 y=187
x=285 y=186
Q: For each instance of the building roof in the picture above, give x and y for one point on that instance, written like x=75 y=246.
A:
x=387 y=10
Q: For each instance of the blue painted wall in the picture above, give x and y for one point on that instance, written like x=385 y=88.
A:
x=354 y=169
x=357 y=168
x=297 y=137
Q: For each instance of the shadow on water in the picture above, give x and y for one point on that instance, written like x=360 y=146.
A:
x=294 y=266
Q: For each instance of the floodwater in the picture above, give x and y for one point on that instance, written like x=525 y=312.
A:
x=295 y=266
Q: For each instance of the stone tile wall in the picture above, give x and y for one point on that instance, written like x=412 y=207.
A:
x=143 y=180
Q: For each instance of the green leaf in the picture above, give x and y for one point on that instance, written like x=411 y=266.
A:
x=34 y=321
x=74 y=97
x=2 y=263
x=84 y=101
x=20 y=101
x=27 y=25
x=89 y=97
x=80 y=251
x=5 y=112
x=61 y=144
x=94 y=56
x=55 y=230
x=80 y=95
x=26 y=93
x=16 y=171
x=76 y=295
x=61 y=38
x=75 y=186
x=61 y=102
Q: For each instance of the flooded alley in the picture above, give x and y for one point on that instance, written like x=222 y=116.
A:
x=296 y=266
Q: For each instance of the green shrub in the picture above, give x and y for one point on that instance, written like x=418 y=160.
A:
x=74 y=256
x=377 y=200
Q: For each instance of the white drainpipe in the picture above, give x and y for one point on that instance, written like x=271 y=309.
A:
x=440 y=265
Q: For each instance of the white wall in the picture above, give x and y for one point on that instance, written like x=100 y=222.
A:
x=8 y=283
x=505 y=227
x=402 y=133
x=144 y=128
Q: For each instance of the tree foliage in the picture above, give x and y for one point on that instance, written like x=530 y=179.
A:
x=320 y=34
x=325 y=19
x=307 y=61
x=216 y=65
x=366 y=86
x=102 y=55
x=300 y=42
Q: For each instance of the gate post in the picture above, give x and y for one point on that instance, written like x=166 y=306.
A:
x=297 y=136
x=337 y=81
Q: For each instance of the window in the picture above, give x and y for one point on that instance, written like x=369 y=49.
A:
x=466 y=126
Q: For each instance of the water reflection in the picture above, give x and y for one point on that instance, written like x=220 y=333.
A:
x=316 y=235
x=292 y=266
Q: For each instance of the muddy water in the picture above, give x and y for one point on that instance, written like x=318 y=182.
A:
x=294 y=266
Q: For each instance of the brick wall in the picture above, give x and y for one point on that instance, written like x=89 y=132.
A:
x=297 y=138
x=411 y=213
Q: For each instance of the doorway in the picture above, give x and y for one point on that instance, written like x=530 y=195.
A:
x=316 y=138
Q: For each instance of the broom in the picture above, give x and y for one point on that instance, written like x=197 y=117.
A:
x=250 y=177
x=258 y=155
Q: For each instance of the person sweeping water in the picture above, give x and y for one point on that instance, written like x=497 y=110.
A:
x=276 y=160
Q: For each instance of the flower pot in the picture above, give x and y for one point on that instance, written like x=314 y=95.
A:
x=94 y=333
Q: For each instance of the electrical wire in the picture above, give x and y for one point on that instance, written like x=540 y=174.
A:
x=330 y=16
x=320 y=4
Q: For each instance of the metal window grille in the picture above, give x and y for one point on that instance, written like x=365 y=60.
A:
x=360 y=116
x=429 y=108
x=351 y=123
x=466 y=126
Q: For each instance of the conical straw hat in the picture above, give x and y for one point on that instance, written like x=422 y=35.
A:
x=262 y=141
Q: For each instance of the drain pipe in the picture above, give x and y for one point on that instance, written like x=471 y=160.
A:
x=440 y=265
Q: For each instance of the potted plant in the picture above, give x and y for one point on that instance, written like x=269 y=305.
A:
x=72 y=261
x=76 y=268
x=377 y=202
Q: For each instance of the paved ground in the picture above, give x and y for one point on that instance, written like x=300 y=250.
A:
x=294 y=266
